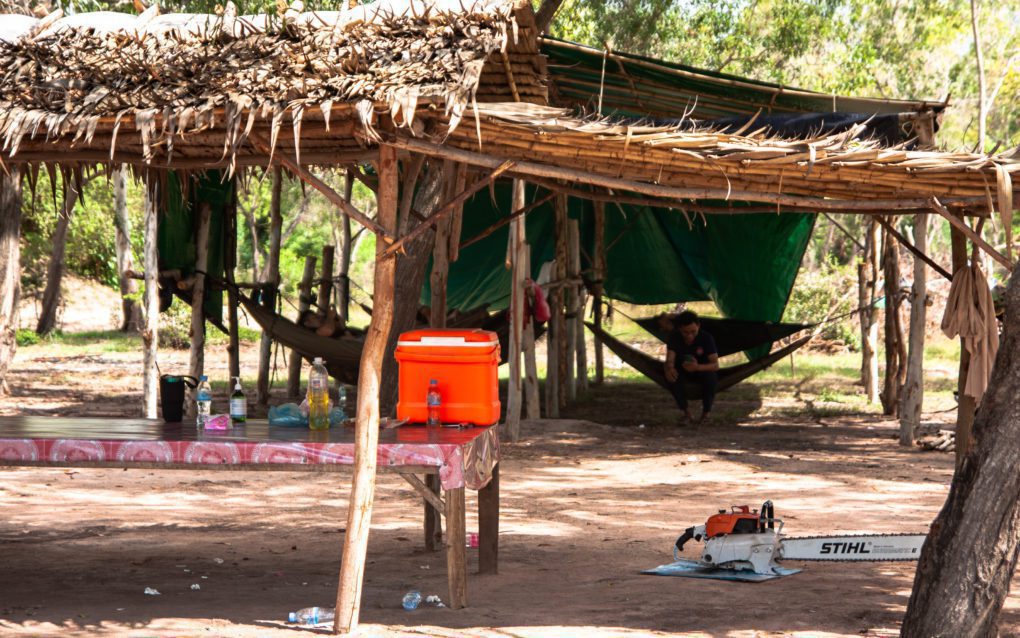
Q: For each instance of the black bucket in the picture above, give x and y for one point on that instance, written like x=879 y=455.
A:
x=171 y=396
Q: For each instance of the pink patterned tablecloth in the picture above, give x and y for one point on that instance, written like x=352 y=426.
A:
x=465 y=456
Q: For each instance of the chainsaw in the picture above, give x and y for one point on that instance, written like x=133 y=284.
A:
x=747 y=539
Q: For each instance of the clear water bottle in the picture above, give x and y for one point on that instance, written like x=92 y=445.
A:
x=311 y=615
x=341 y=398
x=238 y=403
x=318 y=396
x=411 y=600
x=203 y=401
x=434 y=402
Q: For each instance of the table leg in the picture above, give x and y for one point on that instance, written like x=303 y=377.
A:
x=488 y=525
x=433 y=517
x=456 y=564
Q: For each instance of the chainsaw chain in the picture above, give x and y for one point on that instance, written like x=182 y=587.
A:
x=842 y=560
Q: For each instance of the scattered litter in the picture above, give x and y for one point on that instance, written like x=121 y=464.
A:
x=180 y=566
x=693 y=459
x=424 y=567
x=434 y=600
x=304 y=584
x=472 y=540
x=205 y=577
x=149 y=591
x=219 y=561
x=121 y=608
x=187 y=571
x=641 y=427
x=196 y=586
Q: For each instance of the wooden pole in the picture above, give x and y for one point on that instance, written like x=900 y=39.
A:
x=344 y=292
x=913 y=388
x=130 y=309
x=197 y=358
x=325 y=297
x=359 y=514
x=230 y=245
x=966 y=404
x=581 y=378
x=600 y=275
x=150 y=299
x=517 y=247
x=10 y=268
x=572 y=302
x=895 y=349
x=867 y=276
x=55 y=269
x=441 y=257
x=557 y=307
x=271 y=276
x=532 y=403
x=304 y=303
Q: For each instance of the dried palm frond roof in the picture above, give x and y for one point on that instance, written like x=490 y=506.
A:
x=90 y=75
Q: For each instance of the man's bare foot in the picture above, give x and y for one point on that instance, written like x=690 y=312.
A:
x=706 y=417
x=686 y=418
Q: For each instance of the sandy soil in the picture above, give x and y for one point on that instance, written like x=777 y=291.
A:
x=586 y=506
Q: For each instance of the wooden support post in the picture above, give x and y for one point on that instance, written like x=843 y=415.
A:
x=304 y=303
x=867 y=280
x=359 y=513
x=433 y=517
x=197 y=358
x=966 y=405
x=573 y=312
x=325 y=297
x=10 y=268
x=55 y=269
x=230 y=245
x=895 y=349
x=552 y=366
x=271 y=276
x=131 y=311
x=580 y=347
x=456 y=536
x=441 y=257
x=517 y=246
x=913 y=389
x=344 y=287
x=557 y=307
x=150 y=299
x=532 y=403
x=488 y=525
x=599 y=275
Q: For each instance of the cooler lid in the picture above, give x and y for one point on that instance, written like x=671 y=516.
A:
x=449 y=338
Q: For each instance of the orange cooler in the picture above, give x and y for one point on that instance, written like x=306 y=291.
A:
x=465 y=364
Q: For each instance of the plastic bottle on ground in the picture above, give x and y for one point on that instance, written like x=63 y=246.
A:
x=411 y=600
x=203 y=401
x=318 y=396
x=311 y=615
x=238 y=403
x=434 y=402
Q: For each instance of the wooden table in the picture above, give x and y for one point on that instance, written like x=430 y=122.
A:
x=448 y=460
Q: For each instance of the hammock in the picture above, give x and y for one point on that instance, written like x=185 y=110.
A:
x=731 y=335
x=652 y=367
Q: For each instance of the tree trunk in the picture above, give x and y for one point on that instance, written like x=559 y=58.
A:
x=197 y=358
x=55 y=269
x=10 y=268
x=599 y=275
x=359 y=512
x=411 y=269
x=572 y=302
x=130 y=309
x=150 y=301
x=895 y=350
x=304 y=303
x=969 y=558
x=966 y=404
x=344 y=292
x=557 y=305
x=913 y=388
x=272 y=277
x=867 y=278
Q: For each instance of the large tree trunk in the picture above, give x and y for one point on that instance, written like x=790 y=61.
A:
x=969 y=558
x=150 y=299
x=272 y=277
x=130 y=309
x=867 y=279
x=411 y=269
x=55 y=269
x=895 y=349
x=196 y=366
x=913 y=389
x=10 y=267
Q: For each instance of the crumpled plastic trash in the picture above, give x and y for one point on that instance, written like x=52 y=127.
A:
x=196 y=586
x=218 y=422
x=291 y=415
x=149 y=591
x=434 y=600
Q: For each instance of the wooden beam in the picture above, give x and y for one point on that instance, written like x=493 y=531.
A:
x=433 y=527
x=506 y=220
x=807 y=202
x=359 y=513
x=488 y=525
x=449 y=207
x=420 y=487
x=282 y=159
x=456 y=536
x=909 y=246
x=969 y=233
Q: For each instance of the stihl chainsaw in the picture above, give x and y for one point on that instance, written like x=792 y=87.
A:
x=746 y=539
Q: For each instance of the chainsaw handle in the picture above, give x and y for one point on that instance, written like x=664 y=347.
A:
x=686 y=536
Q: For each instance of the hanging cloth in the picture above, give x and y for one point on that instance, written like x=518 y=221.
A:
x=970 y=313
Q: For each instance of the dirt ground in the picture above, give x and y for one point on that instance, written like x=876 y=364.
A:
x=585 y=507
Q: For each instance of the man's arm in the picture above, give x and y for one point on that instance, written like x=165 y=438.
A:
x=712 y=365
x=670 y=367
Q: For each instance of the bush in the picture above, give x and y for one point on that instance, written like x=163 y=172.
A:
x=829 y=291
x=26 y=338
x=175 y=326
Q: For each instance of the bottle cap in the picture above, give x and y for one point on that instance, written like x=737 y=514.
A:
x=237 y=383
x=433 y=382
x=203 y=378
x=317 y=361
x=292 y=617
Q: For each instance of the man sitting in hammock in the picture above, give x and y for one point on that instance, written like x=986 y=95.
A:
x=692 y=359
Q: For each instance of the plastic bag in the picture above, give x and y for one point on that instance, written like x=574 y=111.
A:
x=287 y=415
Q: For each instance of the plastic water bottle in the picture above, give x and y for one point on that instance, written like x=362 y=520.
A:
x=318 y=396
x=434 y=402
x=203 y=401
x=411 y=600
x=341 y=398
x=311 y=615
x=238 y=403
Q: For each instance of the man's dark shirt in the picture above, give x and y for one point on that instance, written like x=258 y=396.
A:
x=702 y=346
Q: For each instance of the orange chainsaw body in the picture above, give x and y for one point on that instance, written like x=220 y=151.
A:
x=739 y=520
